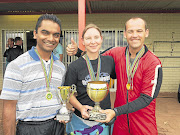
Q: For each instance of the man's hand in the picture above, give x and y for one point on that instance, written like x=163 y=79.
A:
x=72 y=48
x=84 y=111
x=64 y=121
x=110 y=114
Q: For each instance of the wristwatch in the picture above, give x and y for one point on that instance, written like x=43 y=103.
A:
x=116 y=112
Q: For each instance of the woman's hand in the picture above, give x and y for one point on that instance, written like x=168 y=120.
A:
x=84 y=111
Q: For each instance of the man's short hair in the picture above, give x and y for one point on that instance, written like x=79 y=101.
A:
x=12 y=40
x=133 y=18
x=17 y=39
x=50 y=17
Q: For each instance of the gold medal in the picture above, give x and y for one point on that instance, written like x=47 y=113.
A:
x=49 y=95
x=131 y=67
x=128 y=86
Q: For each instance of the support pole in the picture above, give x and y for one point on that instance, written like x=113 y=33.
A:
x=81 y=20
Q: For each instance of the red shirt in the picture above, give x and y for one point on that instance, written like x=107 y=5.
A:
x=143 y=121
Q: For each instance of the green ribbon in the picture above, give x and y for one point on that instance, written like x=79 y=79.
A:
x=90 y=68
x=131 y=68
x=47 y=77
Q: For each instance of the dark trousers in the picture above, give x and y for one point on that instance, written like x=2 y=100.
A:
x=48 y=127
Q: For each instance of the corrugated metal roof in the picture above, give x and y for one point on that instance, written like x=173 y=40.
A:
x=134 y=6
x=95 y=6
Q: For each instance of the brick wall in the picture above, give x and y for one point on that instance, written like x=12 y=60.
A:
x=162 y=28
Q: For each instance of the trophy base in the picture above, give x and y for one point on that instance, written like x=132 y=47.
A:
x=96 y=116
x=65 y=117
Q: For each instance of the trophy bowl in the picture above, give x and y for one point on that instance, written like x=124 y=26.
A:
x=97 y=91
x=64 y=93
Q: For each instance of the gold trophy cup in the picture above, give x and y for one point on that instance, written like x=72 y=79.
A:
x=65 y=92
x=97 y=91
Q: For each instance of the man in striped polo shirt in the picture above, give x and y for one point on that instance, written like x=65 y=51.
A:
x=30 y=85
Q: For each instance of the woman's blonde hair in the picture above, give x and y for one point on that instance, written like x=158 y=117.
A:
x=91 y=26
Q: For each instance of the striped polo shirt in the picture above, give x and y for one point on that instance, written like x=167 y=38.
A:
x=24 y=81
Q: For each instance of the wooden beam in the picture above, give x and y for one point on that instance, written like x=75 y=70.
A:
x=31 y=1
x=131 y=0
x=37 y=13
x=95 y=12
x=89 y=6
x=135 y=11
x=81 y=20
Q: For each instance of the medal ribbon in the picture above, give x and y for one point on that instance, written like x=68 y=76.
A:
x=131 y=69
x=90 y=68
x=47 y=77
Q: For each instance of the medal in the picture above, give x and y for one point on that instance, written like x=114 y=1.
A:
x=132 y=67
x=128 y=86
x=49 y=95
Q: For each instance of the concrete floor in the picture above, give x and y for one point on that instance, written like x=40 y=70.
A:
x=167 y=114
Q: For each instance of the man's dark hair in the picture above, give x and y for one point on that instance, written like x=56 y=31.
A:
x=50 y=17
x=17 y=39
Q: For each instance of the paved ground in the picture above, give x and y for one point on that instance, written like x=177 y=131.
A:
x=167 y=114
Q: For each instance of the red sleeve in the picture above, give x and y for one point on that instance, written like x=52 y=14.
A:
x=108 y=52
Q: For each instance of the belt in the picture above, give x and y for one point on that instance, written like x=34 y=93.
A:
x=35 y=122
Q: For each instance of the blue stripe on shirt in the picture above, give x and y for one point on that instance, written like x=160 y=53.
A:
x=36 y=107
x=12 y=90
x=13 y=79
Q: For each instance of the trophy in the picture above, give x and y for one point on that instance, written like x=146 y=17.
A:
x=97 y=91
x=64 y=93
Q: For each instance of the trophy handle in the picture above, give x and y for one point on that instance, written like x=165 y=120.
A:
x=73 y=90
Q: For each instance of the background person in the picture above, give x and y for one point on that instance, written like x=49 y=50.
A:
x=58 y=52
x=139 y=78
x=30 y=85
x=79 y=73
x=16 y=50
x=10 y=43
x=9 y=46
x=18 y=41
